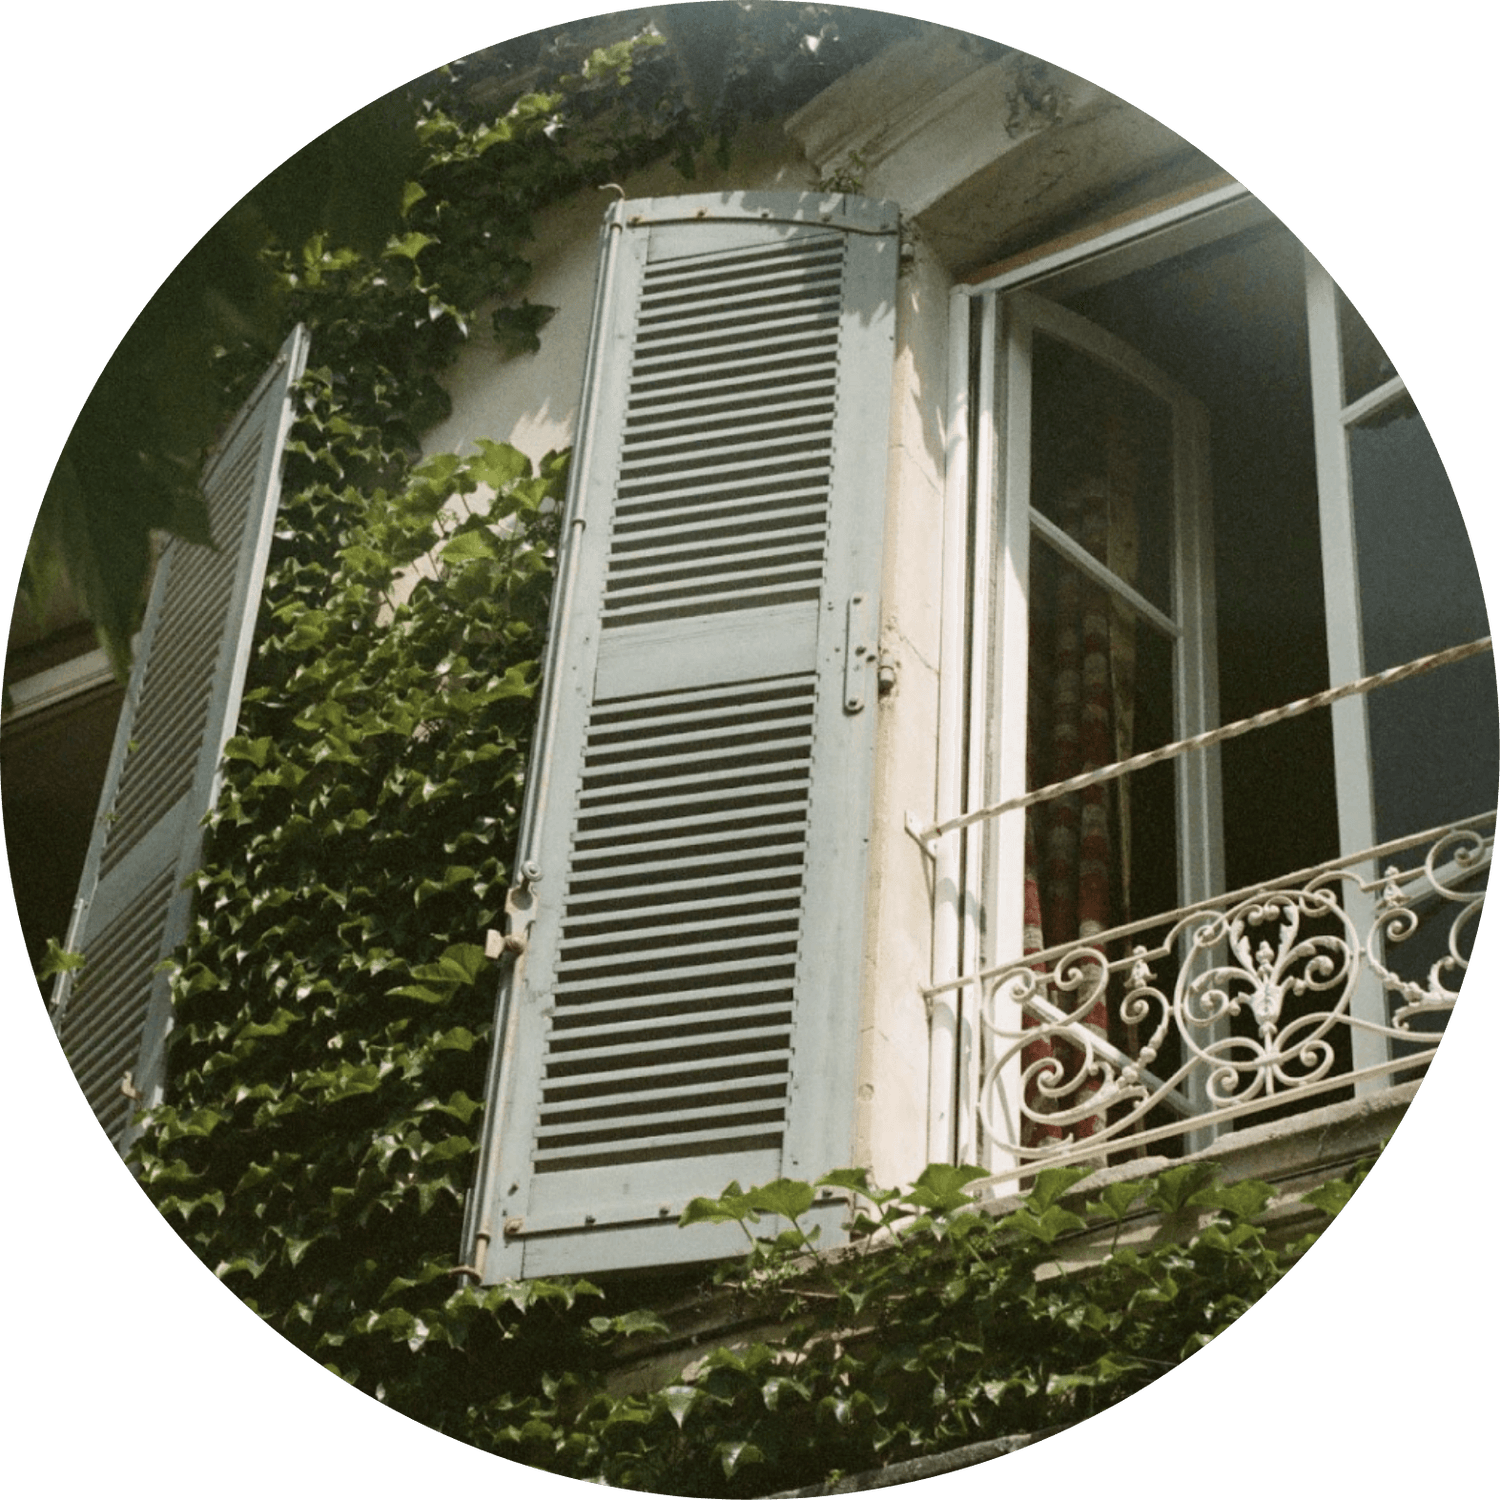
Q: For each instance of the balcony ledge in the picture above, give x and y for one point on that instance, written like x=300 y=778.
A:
x=1294 y=1156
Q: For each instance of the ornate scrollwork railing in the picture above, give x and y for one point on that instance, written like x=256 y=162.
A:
x=1333 y=978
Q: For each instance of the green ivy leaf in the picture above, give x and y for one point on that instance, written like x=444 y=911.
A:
x=410 y=245
x=679 y=1400
x=1244 y=1200
x=58 y=960
x=1053 y=1182
x=499 y=465
x=730 y=1206
x=636 y=1321
x=1330 y=1197
x=788 y=1198
x=775 y=1387
x=942 y=1188
x=1104 y=1371
x=470 y=546
x=1180 y=1188
x=733 y=1456
x=257 y=751
x=1116 y=1200
x=1046 y=1226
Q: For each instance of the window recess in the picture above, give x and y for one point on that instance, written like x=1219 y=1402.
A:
x=1168 y=468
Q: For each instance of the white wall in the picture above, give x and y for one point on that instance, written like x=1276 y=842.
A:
x=893 y=1096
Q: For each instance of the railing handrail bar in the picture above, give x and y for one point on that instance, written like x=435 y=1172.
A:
x=1116 y=769
x=1227 y=898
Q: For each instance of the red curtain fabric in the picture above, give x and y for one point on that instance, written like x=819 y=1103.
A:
x=1081 y=717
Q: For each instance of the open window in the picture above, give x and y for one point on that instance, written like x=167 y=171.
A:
x=1179 y=428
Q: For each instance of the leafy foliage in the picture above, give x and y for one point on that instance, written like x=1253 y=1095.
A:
x=943 y=1325
x=333 y=1002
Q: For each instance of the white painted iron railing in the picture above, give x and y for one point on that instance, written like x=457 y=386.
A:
x=1334 y=979
x=1229 y=1008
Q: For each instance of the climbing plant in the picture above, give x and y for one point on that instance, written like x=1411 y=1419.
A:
x=943 y=1325
x=579 y=108
x=332 y=1004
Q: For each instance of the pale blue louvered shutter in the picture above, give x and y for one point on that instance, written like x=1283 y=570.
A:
x=687 y=1009
x=180 y=708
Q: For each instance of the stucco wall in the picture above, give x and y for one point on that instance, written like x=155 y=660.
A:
x=892 y=1114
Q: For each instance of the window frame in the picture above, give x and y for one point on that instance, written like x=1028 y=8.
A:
x=981 y=752
x=997 y=732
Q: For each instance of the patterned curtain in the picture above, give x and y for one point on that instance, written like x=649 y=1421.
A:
x=1080 y=716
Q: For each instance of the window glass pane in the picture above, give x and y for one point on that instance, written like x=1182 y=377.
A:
x=1101 y=465
x=1229 y=322
x=1433 y=740
x=1365 y=362
x=1100 y=690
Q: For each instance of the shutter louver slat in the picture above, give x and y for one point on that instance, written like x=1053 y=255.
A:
x=720 y=517
x=689 y=992
x=180 y=707
x=632 y=1024
x=799 y=400
x=101 y=1036
x=731 y=391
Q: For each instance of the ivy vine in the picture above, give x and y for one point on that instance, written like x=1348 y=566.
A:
x=333 y=1002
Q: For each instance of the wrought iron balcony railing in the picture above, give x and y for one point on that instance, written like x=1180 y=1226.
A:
x=1175 y=1026
x=1333 y=980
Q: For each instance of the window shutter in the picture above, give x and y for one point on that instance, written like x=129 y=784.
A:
x=686 y=1011
x=180 y=708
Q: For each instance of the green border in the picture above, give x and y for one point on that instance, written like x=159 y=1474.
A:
x=131 y=128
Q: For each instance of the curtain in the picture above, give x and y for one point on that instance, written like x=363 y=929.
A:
x=1080 y=716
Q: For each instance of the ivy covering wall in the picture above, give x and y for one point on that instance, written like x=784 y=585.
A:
x=333 y=1004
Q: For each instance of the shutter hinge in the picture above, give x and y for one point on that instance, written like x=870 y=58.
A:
x=128 y=1088
x=907 y=250
x=476 y=1267
x=503 y=944
x=859 y=652
x=520 y=913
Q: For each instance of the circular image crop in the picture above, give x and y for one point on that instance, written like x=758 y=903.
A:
x=748 y=749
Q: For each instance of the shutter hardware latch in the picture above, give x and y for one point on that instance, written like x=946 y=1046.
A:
x=481 y=1253
x=503 y=944
x=859 y=652
x=520 y=912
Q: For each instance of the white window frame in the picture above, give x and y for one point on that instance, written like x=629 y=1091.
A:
x=981 y=753
x=1354 y=780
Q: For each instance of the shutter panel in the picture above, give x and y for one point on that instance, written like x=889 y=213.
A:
x=180 y=708
x=687 y=1009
